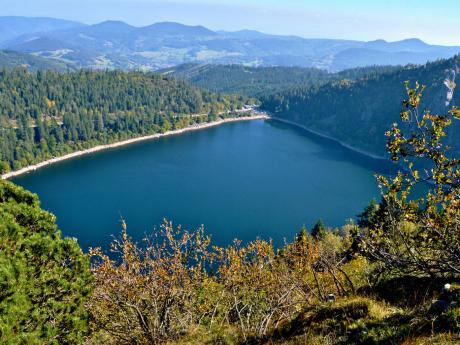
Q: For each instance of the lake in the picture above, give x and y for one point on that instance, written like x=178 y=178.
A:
x=242 y=180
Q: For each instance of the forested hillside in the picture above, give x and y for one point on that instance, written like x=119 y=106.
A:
x=361 y=101
x=251 y=81
x=46 y=114
x=357 y=112
x=263 y=81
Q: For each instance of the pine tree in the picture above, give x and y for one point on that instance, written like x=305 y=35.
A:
x=319 y=230
x=45 y=279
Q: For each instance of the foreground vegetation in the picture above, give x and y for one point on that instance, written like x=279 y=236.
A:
x=379 y=281
x=44 y=278
x=45 y=114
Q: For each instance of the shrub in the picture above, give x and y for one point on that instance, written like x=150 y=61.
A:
x=410 y=235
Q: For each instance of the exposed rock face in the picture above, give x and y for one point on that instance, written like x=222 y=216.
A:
x=449 y=82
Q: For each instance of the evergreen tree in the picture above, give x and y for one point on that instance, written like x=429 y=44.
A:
x=87 y=108
x=44 y=278
x=319 y=230
x=368 y=217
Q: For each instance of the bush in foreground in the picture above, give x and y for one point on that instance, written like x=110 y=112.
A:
x=325 y=287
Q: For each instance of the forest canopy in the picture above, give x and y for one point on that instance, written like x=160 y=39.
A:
x=45 y=113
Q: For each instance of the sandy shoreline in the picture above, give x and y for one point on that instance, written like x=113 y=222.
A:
x=130 y=141
x=258 y=116
x=347 y=146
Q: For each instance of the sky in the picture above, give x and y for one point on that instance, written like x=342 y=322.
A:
x=434 y=21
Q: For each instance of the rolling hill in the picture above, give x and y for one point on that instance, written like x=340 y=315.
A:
x=262 y=81
x=114 y=44
x=12 y=59
x=12 y=26
x=249 y=81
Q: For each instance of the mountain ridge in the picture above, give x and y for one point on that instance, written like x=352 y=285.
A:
x=116 y=44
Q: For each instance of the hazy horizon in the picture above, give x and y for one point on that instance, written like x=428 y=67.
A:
x=354 y=20
x=223 y=30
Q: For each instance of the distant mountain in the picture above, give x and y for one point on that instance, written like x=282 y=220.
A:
x=40 y=44
x=111 y=27
x=357 y=57
x=114 y=44
x=74 y=56
x=170 y=29
x=12 y=59
x=11 y=27
x=245 y=34
x=409 y=45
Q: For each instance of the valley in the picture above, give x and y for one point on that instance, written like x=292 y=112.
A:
x=229 y=172
x=118 y=45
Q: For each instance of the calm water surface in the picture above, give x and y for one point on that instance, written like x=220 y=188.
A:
x=240 y=180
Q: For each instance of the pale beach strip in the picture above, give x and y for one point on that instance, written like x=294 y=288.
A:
x=258 y=116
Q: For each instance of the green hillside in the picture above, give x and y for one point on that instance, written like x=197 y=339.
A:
x=46 y=113
x=262 y=81
x=359 y=111
x=362 y=101
x=251 y=81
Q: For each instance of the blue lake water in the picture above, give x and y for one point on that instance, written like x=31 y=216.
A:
x=240 y=180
